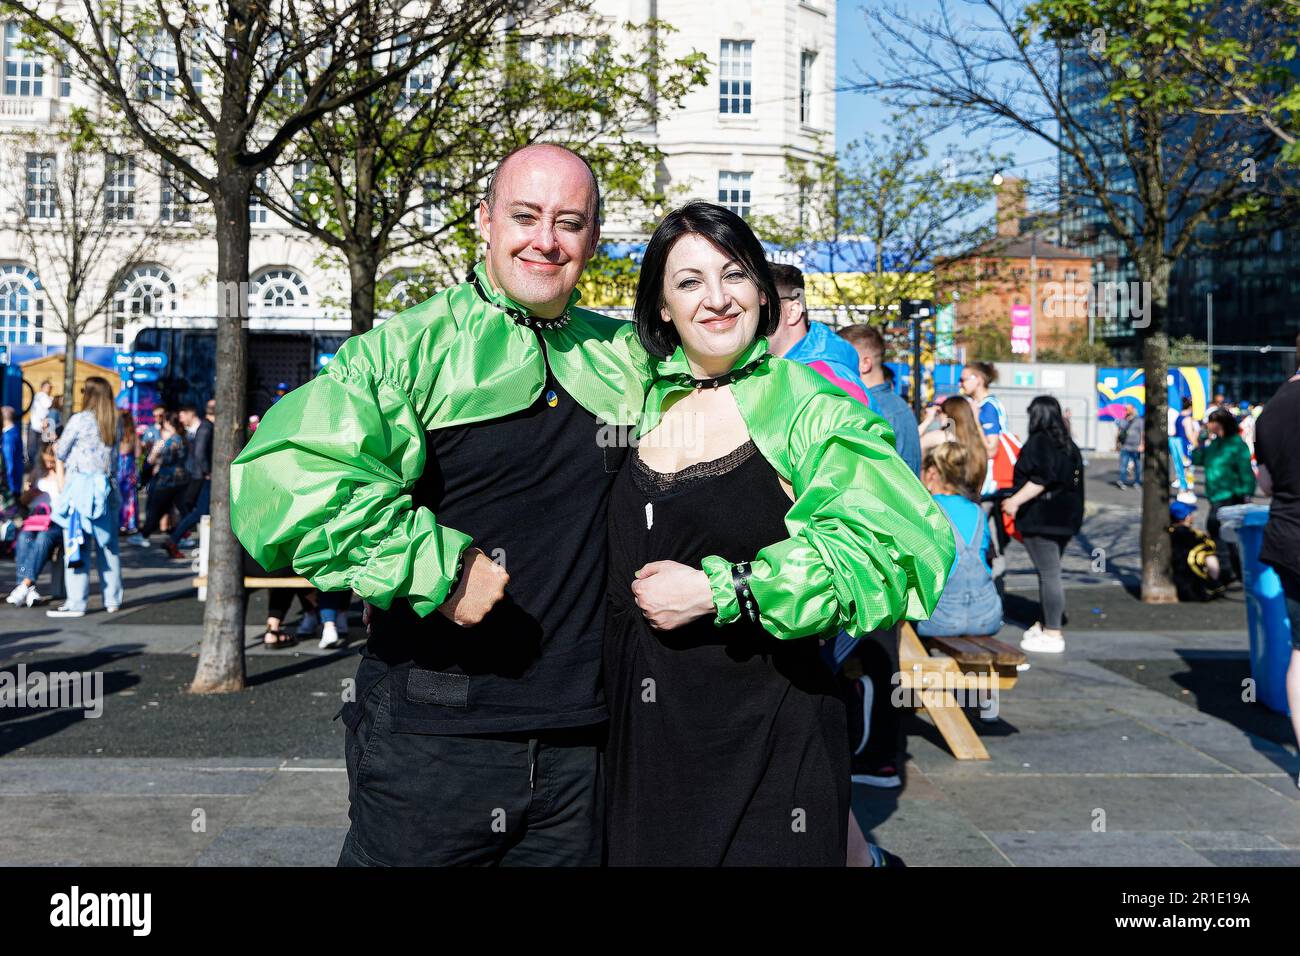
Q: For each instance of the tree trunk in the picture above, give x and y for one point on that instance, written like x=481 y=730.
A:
x=69 y=369
x=362 y=270
x=221 y=658
x=1157 y=581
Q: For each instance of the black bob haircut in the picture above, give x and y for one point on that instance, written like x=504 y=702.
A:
x=1045 y=416
x=728 y=232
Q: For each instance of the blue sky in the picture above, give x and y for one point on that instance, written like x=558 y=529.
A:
x=856 y=113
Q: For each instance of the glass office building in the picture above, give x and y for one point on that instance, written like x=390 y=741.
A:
x=1241 y=297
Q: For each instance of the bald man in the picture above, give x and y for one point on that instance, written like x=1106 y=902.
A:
x=452 y=468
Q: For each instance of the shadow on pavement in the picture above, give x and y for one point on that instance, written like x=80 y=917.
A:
x=1213 y=683
x=25 y=723
x=301 y=666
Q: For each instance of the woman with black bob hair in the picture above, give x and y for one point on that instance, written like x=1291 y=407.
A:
x=1046 y=503
x=729 y=233
x=759 y=510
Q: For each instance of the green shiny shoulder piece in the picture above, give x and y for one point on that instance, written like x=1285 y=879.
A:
x=601 y=363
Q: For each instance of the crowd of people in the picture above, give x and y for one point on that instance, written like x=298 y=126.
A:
x=1222 y=447
x=76 y=488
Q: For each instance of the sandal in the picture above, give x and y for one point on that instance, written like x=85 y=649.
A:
x=278 y=638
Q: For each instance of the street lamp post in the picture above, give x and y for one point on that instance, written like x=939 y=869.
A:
x=1033 y=297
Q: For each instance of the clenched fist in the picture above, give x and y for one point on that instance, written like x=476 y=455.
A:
x=671 y=595
x=482 y=584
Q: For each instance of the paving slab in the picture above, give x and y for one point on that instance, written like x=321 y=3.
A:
x=1228 y=840
x=1077 y=737
x=298 y=800
x=103 y=830
x=1085 y=848
x=28 y=776
x=1253 y=858
x=274 y=846
x=1064 y=802
x=926 y=833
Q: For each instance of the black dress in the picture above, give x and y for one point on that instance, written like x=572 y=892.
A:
x=727 y=747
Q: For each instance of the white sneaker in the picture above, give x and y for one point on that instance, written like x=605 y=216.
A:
x=18 y=595
x=65 y=611
x=329 y=636
x=1040 y=643
x=111 y=610
x=136 y=540
x=32 y=597
x=307 y=626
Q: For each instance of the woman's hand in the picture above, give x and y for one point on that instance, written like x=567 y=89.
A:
x=1029 y=491
x=671 y=595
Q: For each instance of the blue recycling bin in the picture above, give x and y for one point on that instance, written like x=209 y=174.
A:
x=1270 y=627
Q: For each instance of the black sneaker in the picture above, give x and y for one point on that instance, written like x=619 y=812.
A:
x=883 y=775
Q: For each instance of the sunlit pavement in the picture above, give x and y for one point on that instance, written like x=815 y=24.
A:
x=1132 y=748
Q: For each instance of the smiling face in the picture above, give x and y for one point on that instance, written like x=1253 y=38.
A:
x=712 y=303
x=540 y=228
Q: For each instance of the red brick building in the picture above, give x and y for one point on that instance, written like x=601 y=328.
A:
x=1049 y=283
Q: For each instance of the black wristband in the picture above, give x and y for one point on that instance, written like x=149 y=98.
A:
x=740 y=573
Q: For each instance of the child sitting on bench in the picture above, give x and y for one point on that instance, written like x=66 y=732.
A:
x=970 y=604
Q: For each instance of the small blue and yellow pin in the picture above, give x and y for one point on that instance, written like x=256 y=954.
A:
x=551 y=398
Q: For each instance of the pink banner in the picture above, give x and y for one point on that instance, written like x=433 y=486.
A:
x=1021 y=323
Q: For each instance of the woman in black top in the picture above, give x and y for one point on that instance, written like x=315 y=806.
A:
x=726 y=745
x=1047 y=504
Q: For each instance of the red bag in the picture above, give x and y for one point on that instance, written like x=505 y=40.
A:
x=1009 y=526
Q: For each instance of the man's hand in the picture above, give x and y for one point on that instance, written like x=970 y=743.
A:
x=671 y=595
x=482 y=584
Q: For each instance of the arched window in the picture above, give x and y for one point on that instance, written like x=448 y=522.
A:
x=144 y=291
x=22 y=305
x=276 y=291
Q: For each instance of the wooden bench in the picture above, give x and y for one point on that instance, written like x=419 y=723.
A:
x=968 y=664
x=982 y=654
x=201 y=581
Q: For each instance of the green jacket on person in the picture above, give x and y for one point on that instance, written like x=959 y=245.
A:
x=1227 y=468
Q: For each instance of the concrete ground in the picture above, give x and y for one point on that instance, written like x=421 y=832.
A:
x=1132 y=748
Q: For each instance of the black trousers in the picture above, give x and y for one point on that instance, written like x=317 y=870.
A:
x=191 y=494
x=877 y=654
x=527 y=799
x=160 y=501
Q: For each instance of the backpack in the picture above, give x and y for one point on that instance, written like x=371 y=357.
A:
x=1004 y=460
x=1002 y=466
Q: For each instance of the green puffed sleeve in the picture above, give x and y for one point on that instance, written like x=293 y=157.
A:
x=868 y=545
x=320 y=486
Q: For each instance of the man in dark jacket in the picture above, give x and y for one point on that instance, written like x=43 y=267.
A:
x=198 y=462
